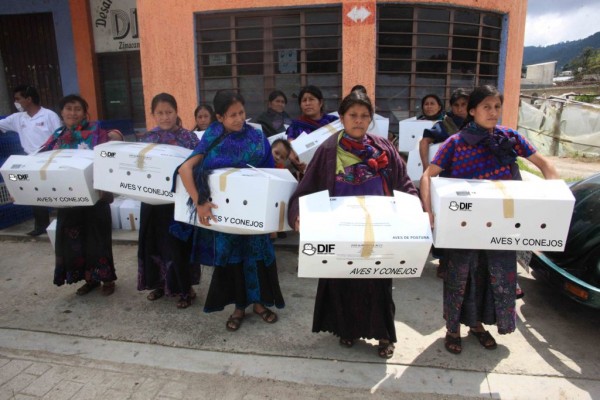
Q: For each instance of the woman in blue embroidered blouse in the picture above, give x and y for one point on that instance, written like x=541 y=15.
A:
x=481 y=150
x=245 y=269
x=449 y=125
x=164 y=246
x=83 y=234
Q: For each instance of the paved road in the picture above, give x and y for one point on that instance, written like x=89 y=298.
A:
x=56 y=345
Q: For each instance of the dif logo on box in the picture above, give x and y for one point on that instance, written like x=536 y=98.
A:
x=311 y=250
x=18 y=177
x=108 y=154
x=459 y=205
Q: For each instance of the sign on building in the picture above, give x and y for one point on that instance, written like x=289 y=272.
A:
x=115 y=25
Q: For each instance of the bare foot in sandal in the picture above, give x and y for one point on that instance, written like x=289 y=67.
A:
x=235 y=320
x=267 y=315
x=385 y=349
x=453 y=343
x=87 y=287
x=155 y=294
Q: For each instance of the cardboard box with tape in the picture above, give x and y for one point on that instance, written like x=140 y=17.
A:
x=306 y=145
x=130 y=214
x=115 y=212
x=58 y=178
x=51 y=231
x=414 y=165
x=141 y=171
x=250 y=200
x=410 y=132
x=362 y=236
x=501 y=215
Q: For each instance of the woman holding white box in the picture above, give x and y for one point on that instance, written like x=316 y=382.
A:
x=312 y=106
x=83 y=234
x=164 y=246
x=480 y=286
x=355 y=163
x=245 y=267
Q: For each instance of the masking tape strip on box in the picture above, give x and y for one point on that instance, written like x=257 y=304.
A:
x=142 y=155
x=331 y=128
x=281 y=215
x=508 y=203
x=132 y=221
x=223 y=178
x=43 y=170
x=369 y=236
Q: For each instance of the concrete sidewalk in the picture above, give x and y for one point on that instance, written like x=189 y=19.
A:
x=55 y=345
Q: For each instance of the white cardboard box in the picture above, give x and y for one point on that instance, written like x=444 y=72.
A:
x=130 y=214
x=115 y=212
x=410 y=132
x=362 y=236
x=199 y=134
x=58 y=178
x=414 y=165
x=501 y=215
x=382 y=126
x=141 y=171
x=251 y=200
x=273 y=138
x=306 y=145
x=51 y=231
x=256 y=126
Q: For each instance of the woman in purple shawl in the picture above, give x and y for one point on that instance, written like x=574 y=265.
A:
x=355 y=163
x=480 y=285
x=164 y=252
x=245 y=269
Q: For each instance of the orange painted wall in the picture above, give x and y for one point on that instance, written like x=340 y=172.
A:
x=85 y=56
x=168 y=46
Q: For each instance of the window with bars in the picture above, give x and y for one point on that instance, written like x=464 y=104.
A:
x=257 y=52
x=423 y=50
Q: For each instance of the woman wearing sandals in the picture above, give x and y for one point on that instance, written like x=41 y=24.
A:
x=480 y=285
x=355 y=163
x=164 y=245
x=245 y=269
x=83 y=234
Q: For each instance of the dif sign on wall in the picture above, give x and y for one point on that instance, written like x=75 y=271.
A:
x=115 y=25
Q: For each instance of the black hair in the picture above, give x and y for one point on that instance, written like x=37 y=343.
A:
x=355 y=98
x=433 y=96
x=315 y=91
x=224 y=99
x=73 y=98
x=285 y=144
x=275 y=94
x=163 y=98
x=207 y=108
x=28 y=91
x=478 y=95
x=458 y=94
x=359 y=88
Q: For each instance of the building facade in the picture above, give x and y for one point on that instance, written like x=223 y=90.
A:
x=399 y=50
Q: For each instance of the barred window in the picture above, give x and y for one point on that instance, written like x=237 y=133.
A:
x=256 y=52
x=423 y=50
